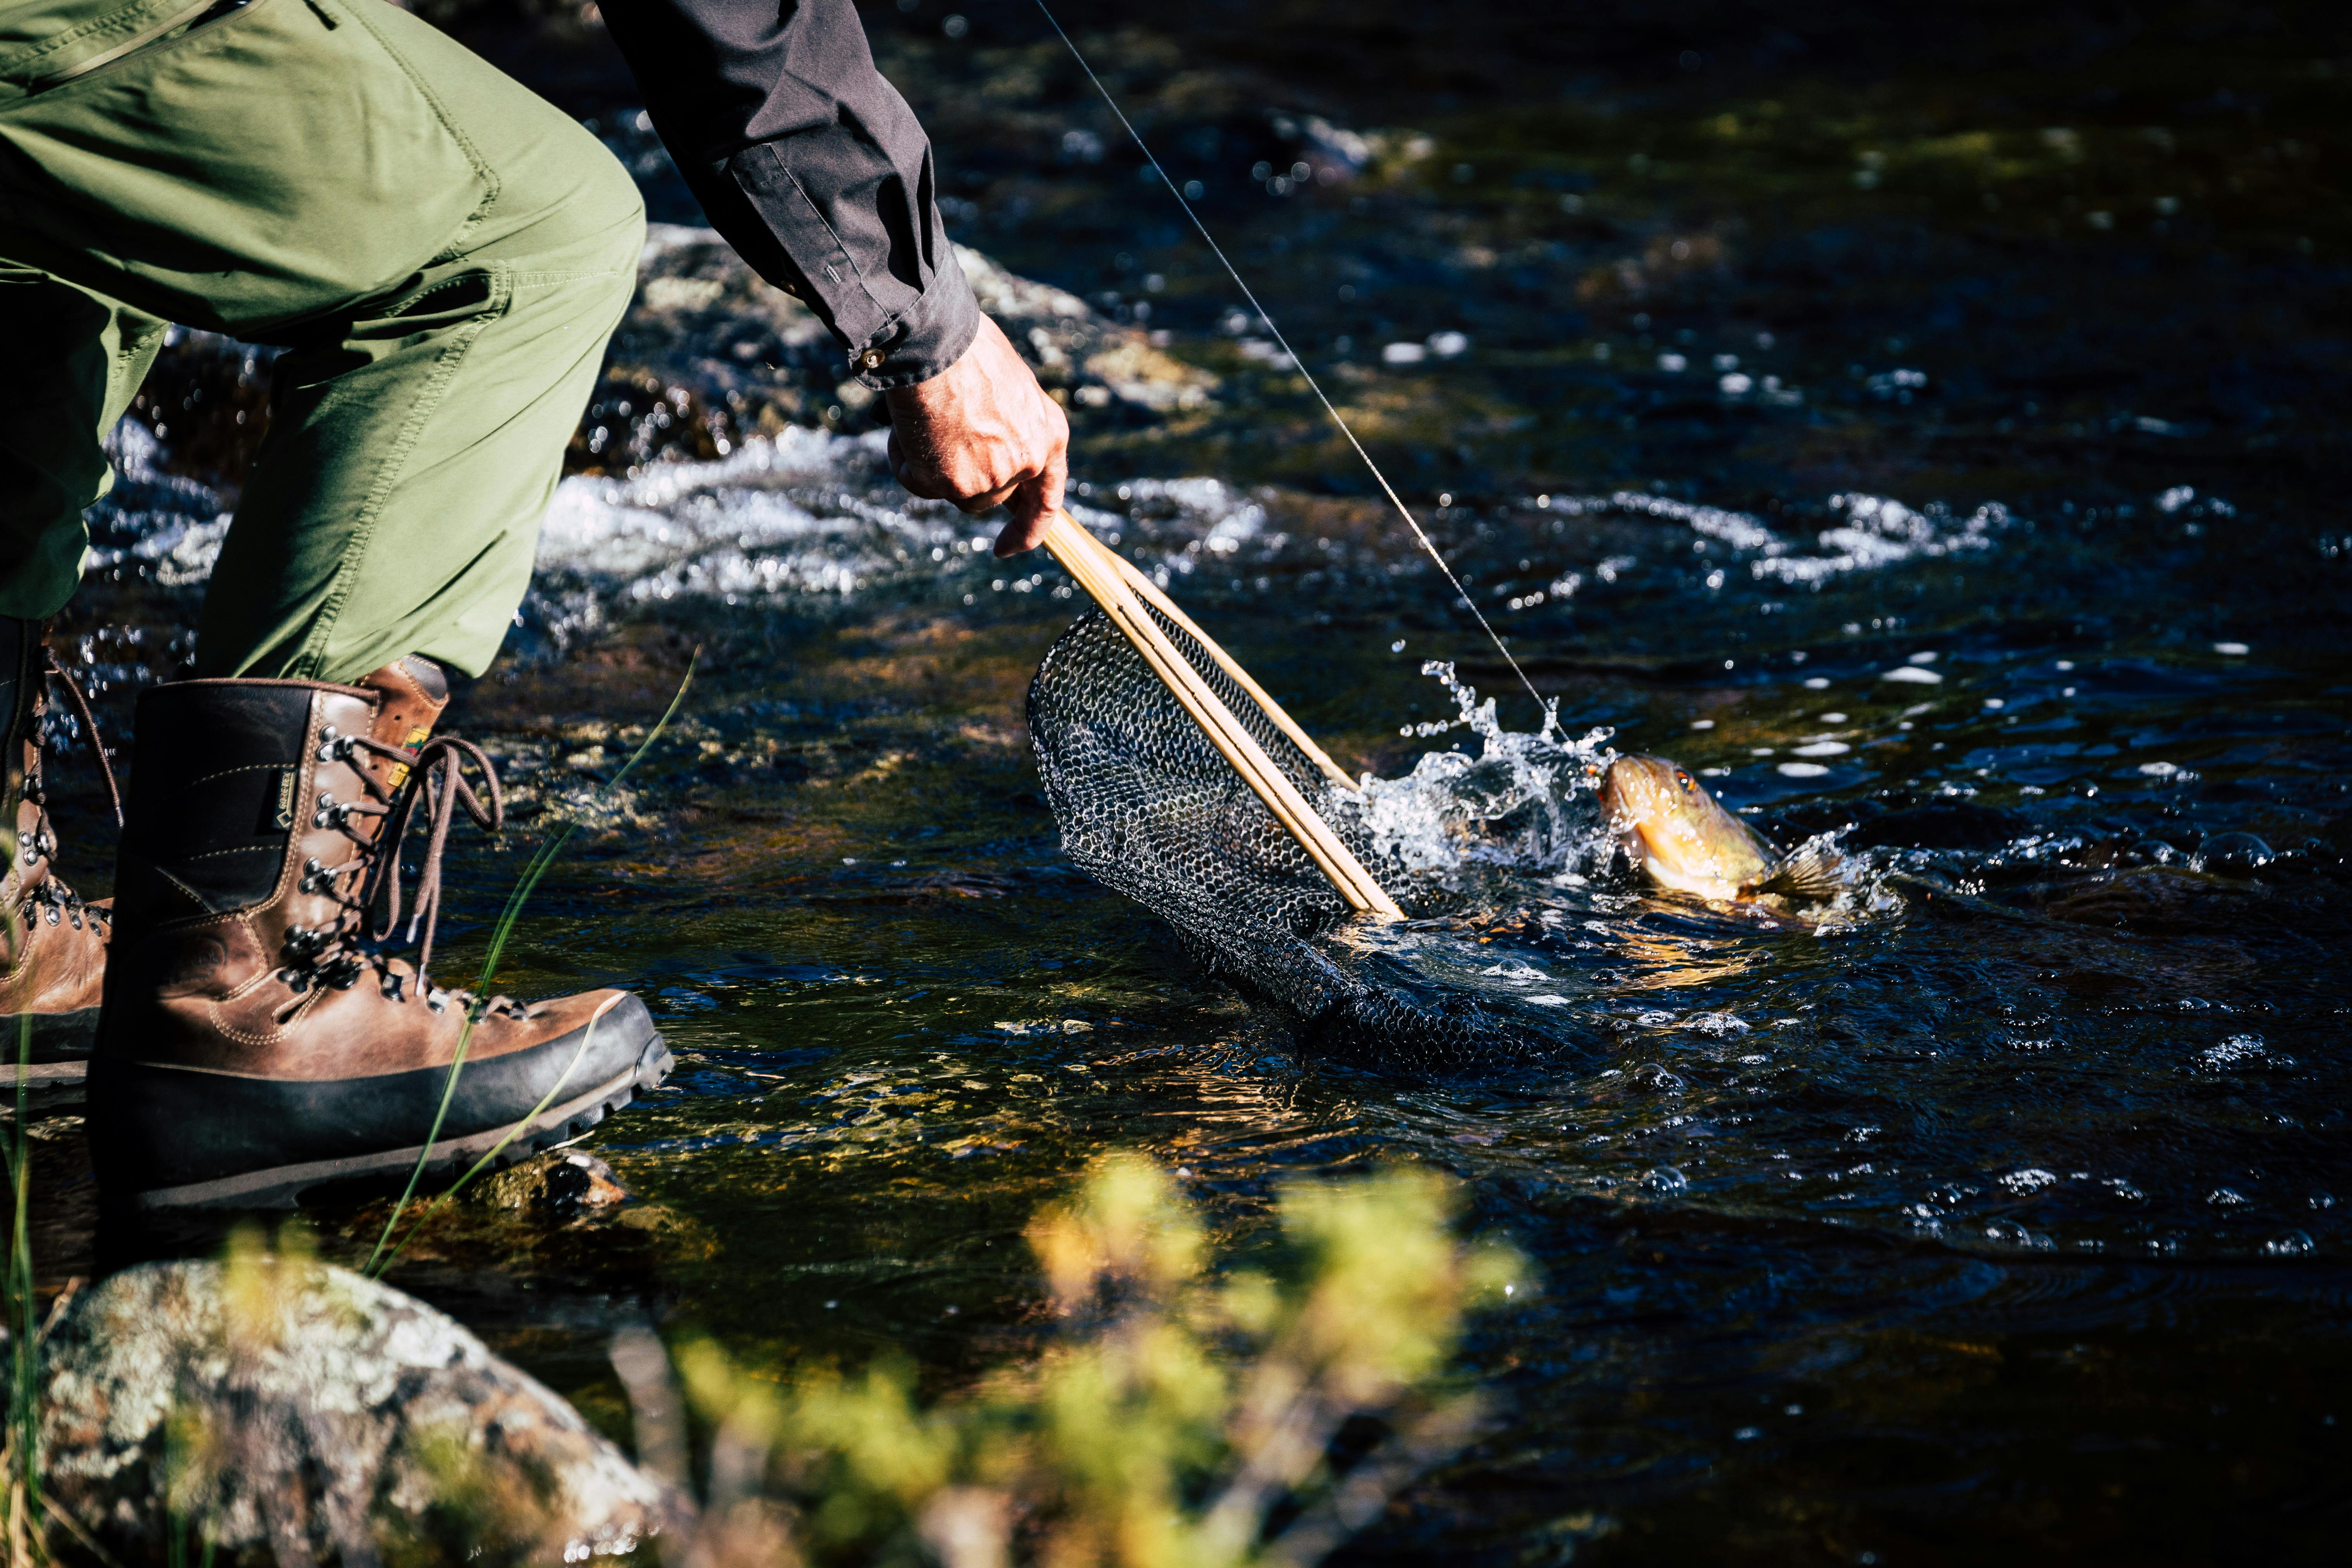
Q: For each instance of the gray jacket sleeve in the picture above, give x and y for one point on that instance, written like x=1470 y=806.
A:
x=813 y=167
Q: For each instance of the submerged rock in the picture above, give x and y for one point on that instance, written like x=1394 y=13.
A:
x=563 y=1184
x=298 y=1412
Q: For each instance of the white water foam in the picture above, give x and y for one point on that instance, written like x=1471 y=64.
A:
x=814 y=517
x=1878 y=533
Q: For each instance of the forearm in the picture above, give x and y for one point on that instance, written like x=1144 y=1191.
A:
x=813 y=167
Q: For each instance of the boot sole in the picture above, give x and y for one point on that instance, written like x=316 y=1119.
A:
x=283 y=1187
x=64 y=1039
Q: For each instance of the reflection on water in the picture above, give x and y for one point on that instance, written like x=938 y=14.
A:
x=1925 y=510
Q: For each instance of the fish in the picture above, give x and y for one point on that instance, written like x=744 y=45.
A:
x=1684 y=838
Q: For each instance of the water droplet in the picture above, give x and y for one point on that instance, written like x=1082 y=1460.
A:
x=2232 y=853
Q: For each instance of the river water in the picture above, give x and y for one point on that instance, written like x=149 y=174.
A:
x=1930 y=433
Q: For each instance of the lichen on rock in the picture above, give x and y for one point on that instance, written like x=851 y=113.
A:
x=283 y=1410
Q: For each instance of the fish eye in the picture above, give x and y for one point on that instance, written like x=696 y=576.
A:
x=1683 y=779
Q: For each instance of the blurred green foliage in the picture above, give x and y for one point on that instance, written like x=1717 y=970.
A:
x=1185 y=1417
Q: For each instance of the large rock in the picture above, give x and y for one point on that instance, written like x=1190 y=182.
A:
x=300 y=1413
x=704 y=333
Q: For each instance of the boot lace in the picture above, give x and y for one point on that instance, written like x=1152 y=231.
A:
x=366 y=888
x=57 y=904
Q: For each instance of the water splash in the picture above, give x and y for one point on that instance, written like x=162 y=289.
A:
x=1525 y=801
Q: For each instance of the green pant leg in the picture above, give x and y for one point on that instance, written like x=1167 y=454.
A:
x=81 y=362
x=441 y=253
x=396 y=506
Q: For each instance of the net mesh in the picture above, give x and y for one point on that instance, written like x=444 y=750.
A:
x=1149 y=807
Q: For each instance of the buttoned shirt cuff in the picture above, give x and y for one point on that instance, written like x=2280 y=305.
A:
x=923 y=341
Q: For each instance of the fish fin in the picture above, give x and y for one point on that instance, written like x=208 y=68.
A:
x=1810 y=874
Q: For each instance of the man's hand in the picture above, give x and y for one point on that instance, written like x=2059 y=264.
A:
x=984 y=433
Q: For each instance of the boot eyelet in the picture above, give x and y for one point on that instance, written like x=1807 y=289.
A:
x=303 y=943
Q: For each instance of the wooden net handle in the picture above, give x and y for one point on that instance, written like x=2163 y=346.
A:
x=1149 y=589
x=1097 y=569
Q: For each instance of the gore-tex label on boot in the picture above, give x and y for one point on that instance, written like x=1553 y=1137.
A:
x=282 y=821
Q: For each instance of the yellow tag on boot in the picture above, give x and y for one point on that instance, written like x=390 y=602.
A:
x=417 y=736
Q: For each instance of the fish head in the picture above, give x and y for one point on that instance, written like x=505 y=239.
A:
x=1678 y=833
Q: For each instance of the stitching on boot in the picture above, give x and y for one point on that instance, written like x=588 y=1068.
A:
x=232 y=772
x=193 y=896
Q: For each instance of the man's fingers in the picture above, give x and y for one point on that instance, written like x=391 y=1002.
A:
x=914 y=480
x=1018 y=537
x=986 y=501
x=981 y=433
x=1033 y=505
x=1039 y=496
x=1026 y=531
x=1057 y=475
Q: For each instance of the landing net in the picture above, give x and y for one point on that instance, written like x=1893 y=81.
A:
x=1147 y=807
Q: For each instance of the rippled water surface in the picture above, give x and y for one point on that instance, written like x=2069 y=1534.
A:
x=1930 y=434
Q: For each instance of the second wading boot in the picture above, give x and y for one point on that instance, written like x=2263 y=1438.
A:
x=52 y=943
x=259 y=1037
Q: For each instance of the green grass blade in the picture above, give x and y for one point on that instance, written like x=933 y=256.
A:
x=24 y=1410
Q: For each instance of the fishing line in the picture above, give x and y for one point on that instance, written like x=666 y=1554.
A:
x=1284 y=344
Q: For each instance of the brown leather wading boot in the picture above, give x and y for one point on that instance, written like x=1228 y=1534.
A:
x=259 y=1037
x=54 y=943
